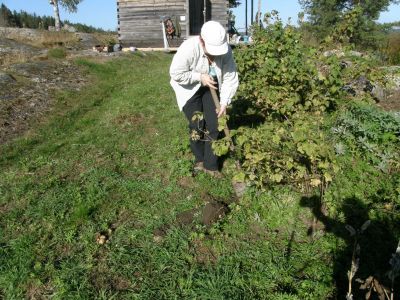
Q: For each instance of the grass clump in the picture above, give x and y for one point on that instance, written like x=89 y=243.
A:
x=17 y=57
x=57 y=53
x=49 y=39
x=41 y=38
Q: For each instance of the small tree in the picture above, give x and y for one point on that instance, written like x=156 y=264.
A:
x=70 y=5
x=325 y=15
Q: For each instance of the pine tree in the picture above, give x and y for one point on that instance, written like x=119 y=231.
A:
x=6 y=17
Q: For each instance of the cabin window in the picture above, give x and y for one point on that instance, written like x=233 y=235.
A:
x=196 y=15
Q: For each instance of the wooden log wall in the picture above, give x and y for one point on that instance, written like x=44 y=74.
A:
x=139 y=20
x=220 y=11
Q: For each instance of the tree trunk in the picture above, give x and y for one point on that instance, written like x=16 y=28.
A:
x=56 y=14
x=258 y=18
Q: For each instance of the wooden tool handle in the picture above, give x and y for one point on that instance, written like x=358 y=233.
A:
x=218 y=107
x=215 y=98
x=226 y=129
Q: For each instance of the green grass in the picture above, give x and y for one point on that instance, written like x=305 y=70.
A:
x=57 y=53
x=116 y=156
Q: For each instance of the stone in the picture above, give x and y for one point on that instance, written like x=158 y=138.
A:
x=378 y=93
x=344 y=64
x=6 y=78
x=69 y=28
x=338 y=53
x=355 y=53
x=117 y=47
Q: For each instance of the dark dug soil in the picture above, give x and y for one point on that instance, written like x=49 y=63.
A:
x=213 y=211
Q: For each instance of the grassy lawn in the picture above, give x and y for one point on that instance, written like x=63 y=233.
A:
x=114 y=161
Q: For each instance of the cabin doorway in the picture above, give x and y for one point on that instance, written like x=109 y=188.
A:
x=197 y=14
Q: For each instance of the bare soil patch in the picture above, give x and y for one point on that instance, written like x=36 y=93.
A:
x=392 y=101
x=29 y=80
x=27 y=92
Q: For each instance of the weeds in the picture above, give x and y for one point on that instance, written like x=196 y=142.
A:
x=395 y=271
x=50 y=39
x=57 y=53
x=107 y=39
x=369 y=132
x=392 y=48
x=15 y=57
x=41 y=38
x=372 y=284
x=355 y=261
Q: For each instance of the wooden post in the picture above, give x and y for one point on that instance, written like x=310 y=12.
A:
x=258 y=19
x=166 y=46
x=252 y=12
x=246 y=15
x=218 y=107
x=204 y=11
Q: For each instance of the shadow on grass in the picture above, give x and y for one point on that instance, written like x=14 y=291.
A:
x=377 y=243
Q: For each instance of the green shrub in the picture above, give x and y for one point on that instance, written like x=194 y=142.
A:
x=295 y=88
x=281 y=76
x=296 y=153
x=291 y=86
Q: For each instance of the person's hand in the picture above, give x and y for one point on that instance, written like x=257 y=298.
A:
x=207 y=80
x=222 y=111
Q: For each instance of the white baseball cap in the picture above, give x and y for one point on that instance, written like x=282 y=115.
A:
x=214 y=37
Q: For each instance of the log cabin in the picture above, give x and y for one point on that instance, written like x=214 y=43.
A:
x=140 y=21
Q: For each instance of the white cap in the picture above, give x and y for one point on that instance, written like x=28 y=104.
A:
x=214 y=37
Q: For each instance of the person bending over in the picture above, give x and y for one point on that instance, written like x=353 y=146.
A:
x=202 y=63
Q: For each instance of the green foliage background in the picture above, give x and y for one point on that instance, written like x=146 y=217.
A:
x=340 y=151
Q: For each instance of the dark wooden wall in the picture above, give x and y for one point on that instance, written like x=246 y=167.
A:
x=139 y=20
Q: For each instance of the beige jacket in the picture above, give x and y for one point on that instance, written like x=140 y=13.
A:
x=190 y=62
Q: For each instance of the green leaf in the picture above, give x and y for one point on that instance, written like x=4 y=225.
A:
x=276 y=177
x=328 y=177
x=197 y=116
x=222 y=121
x=239 y=177
x=221 y=147
x=315 y=182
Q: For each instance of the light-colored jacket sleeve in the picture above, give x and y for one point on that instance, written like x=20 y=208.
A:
x=230 y=80
x=181 y=67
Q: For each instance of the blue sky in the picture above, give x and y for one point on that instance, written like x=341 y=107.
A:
x=103 y=13
x=291 y=8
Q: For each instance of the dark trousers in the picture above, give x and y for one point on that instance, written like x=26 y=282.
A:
x=207 y=129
